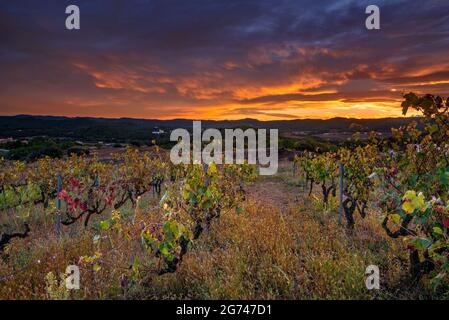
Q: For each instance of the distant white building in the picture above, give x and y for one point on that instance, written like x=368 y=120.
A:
x=157 y=131
x=7 y=140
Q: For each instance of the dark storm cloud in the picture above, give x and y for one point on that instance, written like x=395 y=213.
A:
x=166 y=58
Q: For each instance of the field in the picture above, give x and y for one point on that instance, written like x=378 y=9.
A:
x=139 y=227
x=281 y=246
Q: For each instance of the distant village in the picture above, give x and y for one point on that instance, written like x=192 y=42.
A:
x=9 y=145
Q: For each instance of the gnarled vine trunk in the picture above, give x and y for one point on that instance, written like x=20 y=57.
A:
x=349 y=206
x=7 y=237
x=327 y=191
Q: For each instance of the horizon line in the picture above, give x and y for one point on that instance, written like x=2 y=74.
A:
x=190 y=119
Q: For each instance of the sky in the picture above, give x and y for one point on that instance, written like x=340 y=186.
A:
x=220 y=59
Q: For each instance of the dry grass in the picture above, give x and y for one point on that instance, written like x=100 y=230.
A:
x=268 y=254
x=269 y=251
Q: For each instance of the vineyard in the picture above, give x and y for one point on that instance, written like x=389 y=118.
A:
x=406 y=178
x=140 y=227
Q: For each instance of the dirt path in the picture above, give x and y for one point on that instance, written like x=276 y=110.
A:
x=278 y=190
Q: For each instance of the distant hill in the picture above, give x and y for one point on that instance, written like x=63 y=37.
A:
x=84 y=128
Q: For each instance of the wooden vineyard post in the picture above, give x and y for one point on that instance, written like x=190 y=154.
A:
x=4 y=197
x=342 y=173
x=206 y=168
x=58 y=207
x=206 y=182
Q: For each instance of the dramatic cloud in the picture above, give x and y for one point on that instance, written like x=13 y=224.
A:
x=229 y=59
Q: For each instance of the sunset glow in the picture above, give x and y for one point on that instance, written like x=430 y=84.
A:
x=261 y=59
